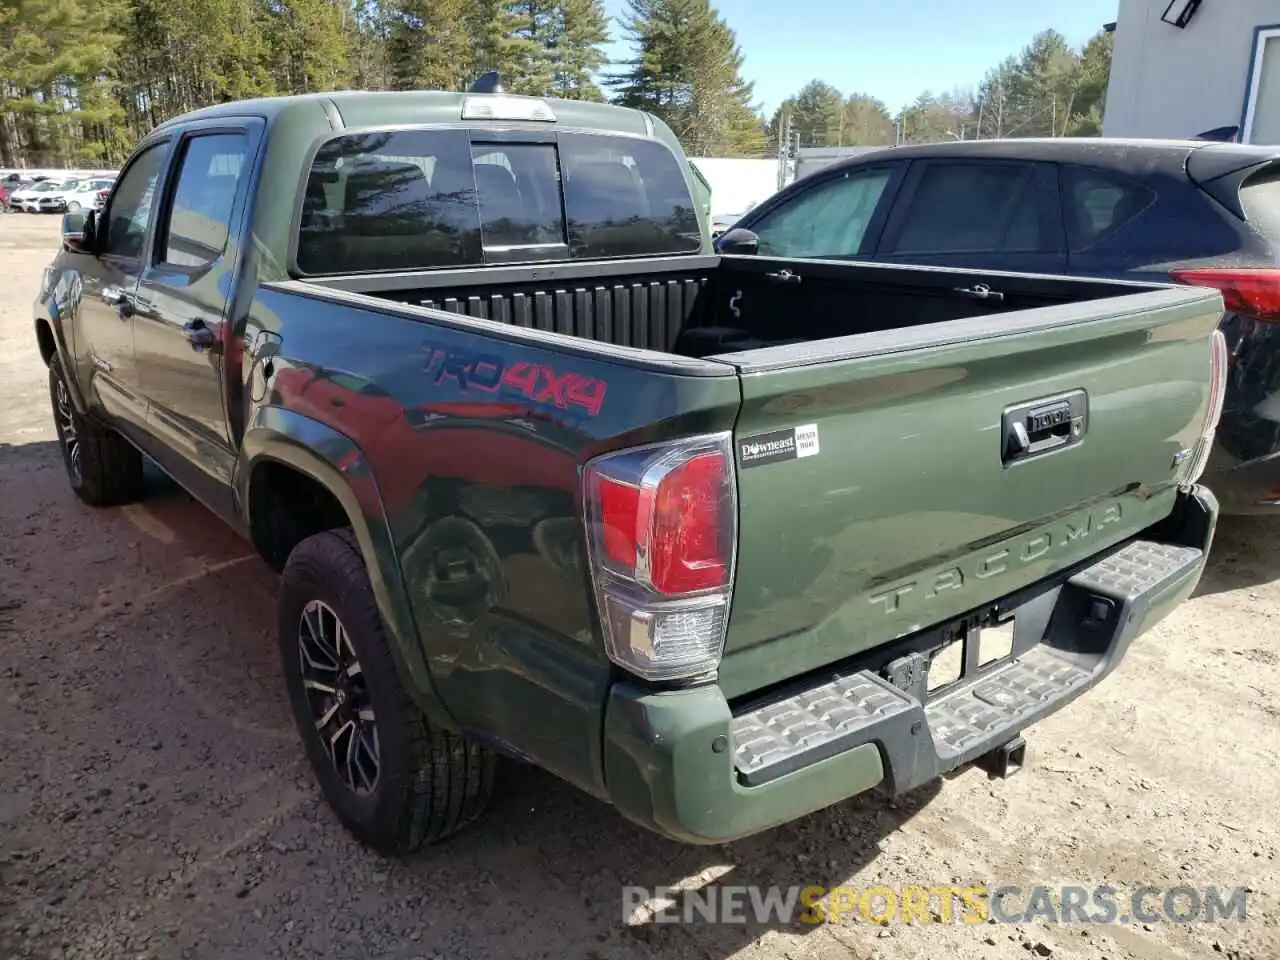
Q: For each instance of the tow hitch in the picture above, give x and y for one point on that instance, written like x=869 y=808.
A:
x=1005 y=760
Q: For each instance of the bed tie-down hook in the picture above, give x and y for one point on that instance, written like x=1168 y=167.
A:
x=980 y=291
x=783 y=276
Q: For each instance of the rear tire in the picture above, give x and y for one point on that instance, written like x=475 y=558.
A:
x=396 y=783
x=103 y=467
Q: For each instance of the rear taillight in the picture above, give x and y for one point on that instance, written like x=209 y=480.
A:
x=1254 y=292
x=1218 y=362
x=661 y=531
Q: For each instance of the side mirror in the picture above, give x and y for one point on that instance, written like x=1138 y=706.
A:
x=79 y=231
x=739 y=240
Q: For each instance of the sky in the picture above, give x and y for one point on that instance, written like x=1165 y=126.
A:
x=891 y=49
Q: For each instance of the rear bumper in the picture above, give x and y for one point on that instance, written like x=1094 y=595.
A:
x=688 y=765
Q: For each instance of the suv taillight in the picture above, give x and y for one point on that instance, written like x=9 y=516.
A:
x=1218 y=363
x=1253 y=291
x=661 y=534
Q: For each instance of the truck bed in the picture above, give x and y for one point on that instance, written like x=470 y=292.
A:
x=704 y=306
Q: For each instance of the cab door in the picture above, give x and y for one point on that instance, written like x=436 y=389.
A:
x=184 y=299
x=107 y=311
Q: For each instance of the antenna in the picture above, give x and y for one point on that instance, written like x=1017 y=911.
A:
x=490 y=82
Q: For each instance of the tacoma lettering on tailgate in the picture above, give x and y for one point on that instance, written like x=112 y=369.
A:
x=1009 y=556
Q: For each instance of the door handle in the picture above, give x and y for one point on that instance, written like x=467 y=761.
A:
x=116 y=296
x=199 y=335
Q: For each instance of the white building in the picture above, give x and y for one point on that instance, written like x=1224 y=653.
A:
x=1185 y=67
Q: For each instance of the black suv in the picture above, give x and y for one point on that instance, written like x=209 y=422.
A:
x=1190 y=211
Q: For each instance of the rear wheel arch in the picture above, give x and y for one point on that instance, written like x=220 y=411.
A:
x=284 y=506
x=45 y=339
x=276 y=462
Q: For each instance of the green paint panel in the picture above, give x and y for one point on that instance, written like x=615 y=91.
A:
x=907 y=515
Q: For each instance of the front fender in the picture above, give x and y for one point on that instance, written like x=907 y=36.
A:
x=57 y=307
x=336 y=462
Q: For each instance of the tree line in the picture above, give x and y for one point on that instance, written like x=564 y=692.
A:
x=82 y=80
x=1048 y=90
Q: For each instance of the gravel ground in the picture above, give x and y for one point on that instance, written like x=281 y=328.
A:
x=155 y=803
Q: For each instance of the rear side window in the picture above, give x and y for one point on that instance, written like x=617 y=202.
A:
x=200 y=216
x=1260 y=198
x=389 y=201
x=625 y=197
x=416 y=199
x=1098 y=204
x=971 y=208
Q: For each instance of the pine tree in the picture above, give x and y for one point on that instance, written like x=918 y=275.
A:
x=367 y=33
x=487 y=37
x=816 y=113
x=866 y=122
x=528 y=26
x=1091 y=94
x=688 y=72
x=55 y=58
x=579 y=28
x=308 y=44
x=427 y=44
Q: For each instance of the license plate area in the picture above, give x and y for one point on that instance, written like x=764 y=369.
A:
x=970 y=648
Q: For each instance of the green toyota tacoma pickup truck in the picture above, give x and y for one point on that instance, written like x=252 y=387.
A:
x=720 y=540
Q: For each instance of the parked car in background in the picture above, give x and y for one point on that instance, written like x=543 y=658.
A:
x=1194 y=211
x=720 y=222
x=26 y=192
x=72 y=196
x=27 y=197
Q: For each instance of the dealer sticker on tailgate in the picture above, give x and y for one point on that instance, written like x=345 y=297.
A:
x=778 y=445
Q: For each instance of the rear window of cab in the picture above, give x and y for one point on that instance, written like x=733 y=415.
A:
x=424 y=199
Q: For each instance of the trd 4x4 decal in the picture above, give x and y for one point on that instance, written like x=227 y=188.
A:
x=537 y=383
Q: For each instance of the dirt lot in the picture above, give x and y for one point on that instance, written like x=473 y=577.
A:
x=154 y=801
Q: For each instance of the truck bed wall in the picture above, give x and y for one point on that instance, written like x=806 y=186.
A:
x=645 y=309
x=650 y=304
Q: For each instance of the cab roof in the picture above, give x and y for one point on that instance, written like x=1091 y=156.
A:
x=362 y=108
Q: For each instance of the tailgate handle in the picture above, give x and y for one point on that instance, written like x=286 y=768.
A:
x=1043 y=426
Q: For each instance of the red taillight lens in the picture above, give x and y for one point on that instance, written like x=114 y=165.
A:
x=664 y=530
x=1251 y=291
x=619 y=509
x=662 y=527
x=687 y=554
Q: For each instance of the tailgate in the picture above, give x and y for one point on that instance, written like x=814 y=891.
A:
x=880 y=485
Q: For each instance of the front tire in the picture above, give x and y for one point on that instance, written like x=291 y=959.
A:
x=396 y=783
x=103 y=467
x=73 y=207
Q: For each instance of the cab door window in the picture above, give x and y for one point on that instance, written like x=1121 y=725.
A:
x=129 y=210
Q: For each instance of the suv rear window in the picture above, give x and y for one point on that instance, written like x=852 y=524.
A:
x=1260 y=198
x=417 y=199
x=1099 y=203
